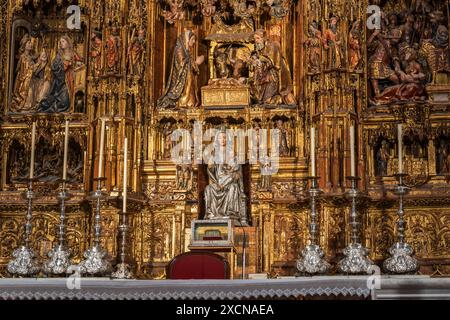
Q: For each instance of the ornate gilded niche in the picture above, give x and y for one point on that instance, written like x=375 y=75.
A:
x=48 y=161
x=409 y=54
x=247 y=57
x=408 y=82
x=230 y=48
x=47 y=60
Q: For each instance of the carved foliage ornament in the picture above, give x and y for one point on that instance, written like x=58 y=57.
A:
x=21 y=4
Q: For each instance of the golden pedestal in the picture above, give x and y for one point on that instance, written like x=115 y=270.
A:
x=439 y=93
x=225 y=97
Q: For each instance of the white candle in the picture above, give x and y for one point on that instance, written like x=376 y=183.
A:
x=102 y=144
x=313 y=152
x=125 y=174
x=400 y=148
x=352 y=152
x=66 y=150
x=33 y=146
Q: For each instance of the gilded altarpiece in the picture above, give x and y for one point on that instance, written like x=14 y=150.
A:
x=331 y=71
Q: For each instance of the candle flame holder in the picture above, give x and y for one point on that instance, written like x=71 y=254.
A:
x=356 y=260
x=59 y=257
x=401 y=260
x=96 y=260
x=24 y=262
x=312 y=260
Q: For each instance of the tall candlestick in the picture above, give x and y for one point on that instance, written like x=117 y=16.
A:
x=313 y=152
x=125 y=178
x=33 y=146
x=66 y=150
x=102 y=144
x=400 y=149
x=352 y=151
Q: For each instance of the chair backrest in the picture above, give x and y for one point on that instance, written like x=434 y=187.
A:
x=198 y=265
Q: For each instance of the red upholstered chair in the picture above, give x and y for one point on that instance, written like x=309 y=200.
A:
x=198 y=265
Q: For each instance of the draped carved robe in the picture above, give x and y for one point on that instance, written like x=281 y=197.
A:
x=62 y=88
x=181 y=88
x=29 y=84
x=223 y=195
x=272 y=50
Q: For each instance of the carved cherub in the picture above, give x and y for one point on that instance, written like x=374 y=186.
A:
x=208 y=7
x=176 y=11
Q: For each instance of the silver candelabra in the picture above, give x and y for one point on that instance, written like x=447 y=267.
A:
x=356 y=260
x=96 y=258
x=123 y=268
x=59 y=257
x=24 y=261
x=401 y=260
x=312 y=260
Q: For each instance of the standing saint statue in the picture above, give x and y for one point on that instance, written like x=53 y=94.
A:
x=181 y=89
x=314 y=48
x=29 y=85
x=136 y=54
x=354 y=47
x=382 y=157
x=333 y=42
x=95 y=54
x=224 y=196
x=62 y=87
x=283 y=139
x=113 y=50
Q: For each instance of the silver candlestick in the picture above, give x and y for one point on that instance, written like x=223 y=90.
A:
x=401 y=260
x=123 y=269
x=24 y=261
x=356 y=260
x=59 y=257
x=96 y=258
x=312 y=260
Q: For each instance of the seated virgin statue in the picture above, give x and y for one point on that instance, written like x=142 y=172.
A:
x=224 y=196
